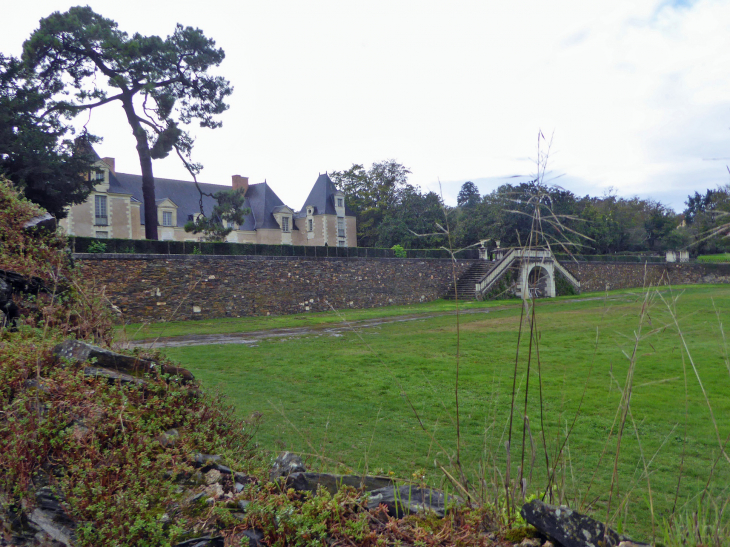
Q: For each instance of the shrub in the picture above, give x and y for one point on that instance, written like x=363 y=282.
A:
x=97 y=247
x=399 y=251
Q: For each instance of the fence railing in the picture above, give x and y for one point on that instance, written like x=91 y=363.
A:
x=499 y=268
x=79 y=244
x=639 y=258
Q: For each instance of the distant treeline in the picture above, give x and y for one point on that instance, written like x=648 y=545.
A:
x=392 y=211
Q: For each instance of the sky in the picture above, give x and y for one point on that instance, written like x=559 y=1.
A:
x=635 y=94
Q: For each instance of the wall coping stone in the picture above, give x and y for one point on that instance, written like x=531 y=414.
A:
x=233 y=258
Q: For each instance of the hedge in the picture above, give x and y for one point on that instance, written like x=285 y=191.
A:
x=79 y=244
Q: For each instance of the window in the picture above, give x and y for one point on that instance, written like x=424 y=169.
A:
x=284 y=224
x=340 y=202
x=340 y=227
x=167 y=218
x=96 y=176
x=341 y=243
x=310 y=225
x=100 y=209
x=102 y=235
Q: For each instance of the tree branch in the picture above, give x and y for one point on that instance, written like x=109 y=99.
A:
x=80 y=107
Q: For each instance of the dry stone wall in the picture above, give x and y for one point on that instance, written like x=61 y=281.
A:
x=600 y=276
x=181 y=287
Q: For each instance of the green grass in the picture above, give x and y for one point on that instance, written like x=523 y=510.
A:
x=142 y=331
x=349 y=397
x=724 y=257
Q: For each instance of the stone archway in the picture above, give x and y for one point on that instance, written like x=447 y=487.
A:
x=538 y=280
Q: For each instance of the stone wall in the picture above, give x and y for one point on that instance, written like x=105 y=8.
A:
x=181 y=287
x=599 y=276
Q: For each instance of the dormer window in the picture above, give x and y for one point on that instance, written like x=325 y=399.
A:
x=284 y=224
x=166 y=213
x=97 y=176
x=340 y=202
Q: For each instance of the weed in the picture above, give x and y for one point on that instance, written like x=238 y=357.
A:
x=96 y=247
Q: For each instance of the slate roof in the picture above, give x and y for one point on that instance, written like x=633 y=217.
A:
x=260 y=198
x=322 y=198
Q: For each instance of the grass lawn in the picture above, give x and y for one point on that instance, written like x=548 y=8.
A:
x=144 y=331
x=360 y=398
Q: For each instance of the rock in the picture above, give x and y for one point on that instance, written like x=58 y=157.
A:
x=196 y=497
x=37 y=384
x=211 y=461
x=205 y=541
x=112 y=377
x=569 y=528
x=406 y=500
x=212 y=476
x=43 y=222
x=310 y=482
x=244 y=479
x=214 y=491
x=169 y=438
x=15 y=283
x=50 y=517
x=203 y=460
x=7 y=306
x=77 y=351
x=286 y=464
x=255 y=538
x=530 y=542
x=23 y=284
x=243 y=504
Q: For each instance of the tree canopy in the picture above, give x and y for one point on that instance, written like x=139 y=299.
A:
x=38 y=151
x=468 y=195
x=161 y=84
x=393 y=211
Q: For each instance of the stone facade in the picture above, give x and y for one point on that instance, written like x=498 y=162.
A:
x=601 y=276
x=182 y=287
x=115 y=210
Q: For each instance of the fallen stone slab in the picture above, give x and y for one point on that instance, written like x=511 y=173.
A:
x=310 y=482
x=75 y=350
x=112 y=377
x=409 y=499
x=204 y=541
x=570 y=528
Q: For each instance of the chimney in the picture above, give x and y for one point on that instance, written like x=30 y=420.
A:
x=110 y=162
x=240 y=182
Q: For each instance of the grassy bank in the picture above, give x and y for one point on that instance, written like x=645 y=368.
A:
x=351 y=398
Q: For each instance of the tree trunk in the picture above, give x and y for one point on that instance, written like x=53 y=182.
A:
x=145 y=162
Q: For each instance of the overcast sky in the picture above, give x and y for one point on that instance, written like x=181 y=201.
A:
x=635 y=92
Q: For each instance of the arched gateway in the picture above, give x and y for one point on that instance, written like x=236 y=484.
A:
x=530 y=272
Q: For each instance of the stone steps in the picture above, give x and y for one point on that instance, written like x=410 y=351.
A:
x=465 y=284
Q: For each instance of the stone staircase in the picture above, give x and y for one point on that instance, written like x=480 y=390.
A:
x=467 y=282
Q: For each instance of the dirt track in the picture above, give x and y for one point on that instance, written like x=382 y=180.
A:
x=253 y=337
